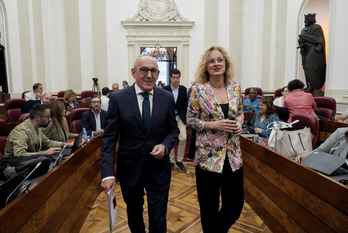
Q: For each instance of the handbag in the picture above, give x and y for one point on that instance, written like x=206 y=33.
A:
x=291 y=142
x=248 y=128
x=274 y=126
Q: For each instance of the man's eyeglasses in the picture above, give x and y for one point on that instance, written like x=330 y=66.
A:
x=219 y=61
x=145 y=71
x=95 y=102
x=48 y=117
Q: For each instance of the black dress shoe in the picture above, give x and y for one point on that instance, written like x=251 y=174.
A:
x=190 y=159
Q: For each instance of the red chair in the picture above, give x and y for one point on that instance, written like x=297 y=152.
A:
x=278 y=93
x=2 y=137
x=75 y=119
x=23 y=97
x=85 y=102
x=311 y=122
x=23 y=117
x=327 y=105
x=88 y=93
x=259 y=92
x=58 y=99
x=13 y=108
x=61 y=94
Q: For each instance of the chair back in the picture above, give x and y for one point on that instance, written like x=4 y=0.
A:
x=310 y=121
x=88 y=93
x=75 y=119
x=2 y=128
x=278 y=93
x=58 y=99
x=327 y=105
x=23 y=117
x=259 y=92
x=13 y=107
x=3 y=141
x=84 y=103
x=61 y=94
x=23 y=97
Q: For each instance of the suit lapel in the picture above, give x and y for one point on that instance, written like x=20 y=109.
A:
x=133 y=103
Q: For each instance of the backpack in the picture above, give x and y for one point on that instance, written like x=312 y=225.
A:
x=320 y=114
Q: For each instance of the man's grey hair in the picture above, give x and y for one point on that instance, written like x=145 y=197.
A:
x=144 y=55
x=114 y=84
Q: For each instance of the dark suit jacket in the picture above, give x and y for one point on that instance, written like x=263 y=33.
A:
x=88 y=121
x=135 y=145
x=181 y=102
x=27 y=106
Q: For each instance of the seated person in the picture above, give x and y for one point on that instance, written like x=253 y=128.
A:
x=280 y=101
x=252 y=104
x=57 y=129
x=105 y=98
x=343 y=117
x=264 y=117
x=336 y=144
x=70 y=101
x=94 y=119
x=27 y=138
x=298 y=101
x=35 y=94
x=44 y=99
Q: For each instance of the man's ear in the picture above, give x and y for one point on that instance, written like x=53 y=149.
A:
x=133 y=73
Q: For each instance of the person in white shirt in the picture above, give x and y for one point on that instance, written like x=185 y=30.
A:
x=280 y=101
x=105 y=98
x=343 y=117
x=35 y=94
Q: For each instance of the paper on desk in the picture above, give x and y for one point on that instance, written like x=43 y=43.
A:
x=112 y=209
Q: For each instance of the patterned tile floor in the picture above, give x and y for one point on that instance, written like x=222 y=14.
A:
x=182 y=215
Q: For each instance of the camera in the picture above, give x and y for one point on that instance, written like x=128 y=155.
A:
x=95 y=80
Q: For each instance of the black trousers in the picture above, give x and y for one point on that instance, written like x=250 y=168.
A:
x=157 y=199
x=209 y=184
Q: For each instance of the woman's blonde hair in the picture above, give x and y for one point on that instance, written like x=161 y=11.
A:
x=202 y=74
x=67 y=94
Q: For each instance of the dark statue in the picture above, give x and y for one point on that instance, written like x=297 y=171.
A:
x=312 y=48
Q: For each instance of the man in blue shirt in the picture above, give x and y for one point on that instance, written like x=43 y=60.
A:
x=252 y=104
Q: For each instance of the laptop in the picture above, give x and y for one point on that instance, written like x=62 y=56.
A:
x=66 y=151
x=7 y=187
x=325 y=163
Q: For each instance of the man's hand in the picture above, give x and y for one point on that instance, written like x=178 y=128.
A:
x=251 y=108
x=96 y=133
x=258 y=130
x=70 y=144
x=38 y=95
x=158 y=151
x=52 y=150
x=107 y=184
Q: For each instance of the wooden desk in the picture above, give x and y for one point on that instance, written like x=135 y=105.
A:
x=290 y=197
x=58 y=201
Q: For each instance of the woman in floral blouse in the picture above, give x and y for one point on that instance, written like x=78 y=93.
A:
x=216 y=111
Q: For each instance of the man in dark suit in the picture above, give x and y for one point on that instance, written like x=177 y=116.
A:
x=44 y=99
x=180 y=98
x=144 y=118
x=94 y=119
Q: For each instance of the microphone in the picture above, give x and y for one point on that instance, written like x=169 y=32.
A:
x=60 y=156
x=37 y=165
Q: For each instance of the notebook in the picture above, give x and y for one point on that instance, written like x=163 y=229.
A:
x=325 y=163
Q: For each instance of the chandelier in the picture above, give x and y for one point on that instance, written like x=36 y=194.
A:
x=157 y=52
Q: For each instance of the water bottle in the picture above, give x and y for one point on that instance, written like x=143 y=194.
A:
x=84 y=136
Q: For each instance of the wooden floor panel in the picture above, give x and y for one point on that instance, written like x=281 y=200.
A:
x=182 y=213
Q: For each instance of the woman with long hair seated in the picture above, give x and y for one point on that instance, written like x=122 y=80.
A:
x=57 y=129
x=263 y=118
x=70 y=103
x=298 y=101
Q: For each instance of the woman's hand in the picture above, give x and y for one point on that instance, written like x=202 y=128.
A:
x=258 y=130
x=300 y=157
x=67 y=113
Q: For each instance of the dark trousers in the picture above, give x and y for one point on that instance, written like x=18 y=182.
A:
x=157 y=199
x=209 y=184
x=191 y=153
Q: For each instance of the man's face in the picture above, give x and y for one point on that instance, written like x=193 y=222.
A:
x=175 y=79
x=95 y=104
x=114 y=87
x=45 y=118
x=38 y=89
x=46 y=99
x=252 y=94
x=146 y=73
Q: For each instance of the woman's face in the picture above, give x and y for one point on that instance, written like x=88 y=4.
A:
x=263 y=108
x=285 y=92
x=71 y=99
x=216 y=63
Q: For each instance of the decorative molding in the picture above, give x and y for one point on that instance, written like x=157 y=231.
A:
x=157 y=10
x=7 y=46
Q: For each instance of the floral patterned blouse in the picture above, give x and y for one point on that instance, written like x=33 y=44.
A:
x=214 y=146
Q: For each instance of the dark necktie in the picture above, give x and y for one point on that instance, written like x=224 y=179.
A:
x=146 y=110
